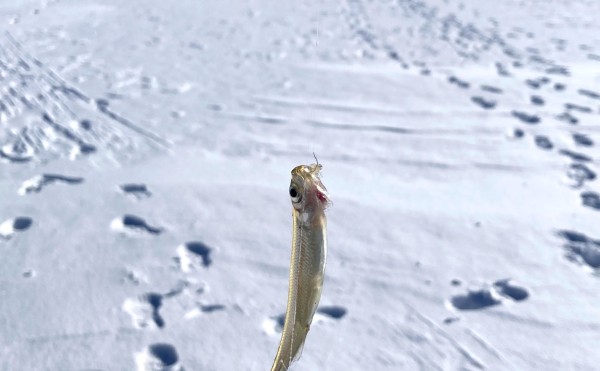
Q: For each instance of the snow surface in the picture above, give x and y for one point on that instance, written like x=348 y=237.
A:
x=146 y=152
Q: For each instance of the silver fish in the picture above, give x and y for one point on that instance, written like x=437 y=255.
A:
x=307 y=268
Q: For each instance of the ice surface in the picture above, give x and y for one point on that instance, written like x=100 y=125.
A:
x=145 y=157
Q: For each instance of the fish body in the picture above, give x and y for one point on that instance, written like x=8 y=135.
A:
x=307 y=267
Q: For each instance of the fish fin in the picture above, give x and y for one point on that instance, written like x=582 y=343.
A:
x=284 y=366
x=298 y=353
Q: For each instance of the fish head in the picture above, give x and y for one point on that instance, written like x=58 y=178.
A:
x=307 y=192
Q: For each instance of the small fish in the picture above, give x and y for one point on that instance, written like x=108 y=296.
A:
x=307 y=268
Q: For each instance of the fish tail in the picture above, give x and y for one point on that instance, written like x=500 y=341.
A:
x=290 y=349
x=279 y=366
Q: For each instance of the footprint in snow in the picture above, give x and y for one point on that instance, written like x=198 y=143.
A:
x=483 y=102
x=17 y=152
x=594 y=57
x=578 y=108
x=582 y=140
x=589 y=93
x=515 y=133
x=144 y=311
x=30 y=273
x=558 y=70
x=85 y=124
x=575 y=156
x=131 y=224
x=537 y=100
x=193 y=254
x=543 y=142
x=450 y=320
x=509 y=290
x=559 y=86
x=591 y=199
x=500 y=291
x=584 y=47
x=137 y=190
x=502 y=70
x=211 y=308
x=458 y=82
x=476 y=299
x=543 y=80
x=81 y=150
x=330 y=312
x=568 y=118
x=191 y=288
x=534 y=84
x=14 y=225
x=491 y=89
x=274 y=325
x=158 y=357
x=581 y=249
x=201 y=309
x=455 y=282
x=37 y=183
x=578 y=174
x=526 y=117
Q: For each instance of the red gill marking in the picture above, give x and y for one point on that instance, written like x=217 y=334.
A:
x=321 y=196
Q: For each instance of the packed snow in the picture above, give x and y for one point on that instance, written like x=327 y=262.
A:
x=145 y=158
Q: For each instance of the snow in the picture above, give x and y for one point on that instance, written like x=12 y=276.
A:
x=146 y=150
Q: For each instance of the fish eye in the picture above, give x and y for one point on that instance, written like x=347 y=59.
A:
x=294 y=194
